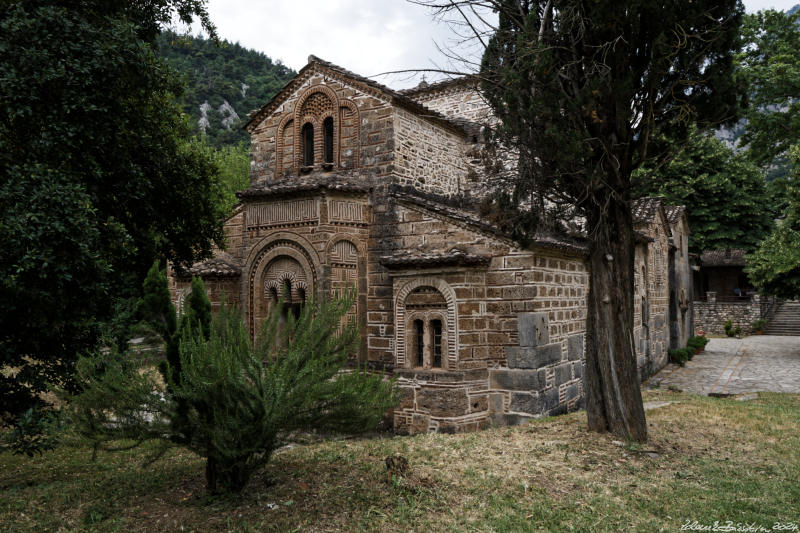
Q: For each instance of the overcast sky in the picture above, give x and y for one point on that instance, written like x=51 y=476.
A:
x=366 y=36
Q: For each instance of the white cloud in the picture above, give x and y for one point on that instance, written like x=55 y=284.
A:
x=365 y=36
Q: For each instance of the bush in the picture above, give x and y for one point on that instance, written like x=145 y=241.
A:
x=236 y=401
x=759 y=325
x=680 y=356
x=730 y=330
x=698 y=342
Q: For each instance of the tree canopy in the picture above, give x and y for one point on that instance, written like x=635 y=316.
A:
x=580 y=89
x=98 y=175
x=775 y=266
x=724 y=193
x=769 y=65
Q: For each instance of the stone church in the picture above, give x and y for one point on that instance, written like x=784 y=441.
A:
x=352 y=184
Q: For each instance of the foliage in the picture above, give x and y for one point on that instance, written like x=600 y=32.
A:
x=233 y=163
x=724 y=193
x=759 y=325
x=96 y=178
x=730 y=330
x=769 y=64
x=241 y=399
x=698 y=342
x=35 y=432
x=580 y=89
x=681 y=355
x=775 y=266
x=221 y=74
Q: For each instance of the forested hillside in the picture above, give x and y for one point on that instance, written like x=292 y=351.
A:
x=223 y=83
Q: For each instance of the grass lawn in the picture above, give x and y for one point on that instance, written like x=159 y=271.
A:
x=708 y=459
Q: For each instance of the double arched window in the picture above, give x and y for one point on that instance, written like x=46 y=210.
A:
x=308 y=142
x=427 y=314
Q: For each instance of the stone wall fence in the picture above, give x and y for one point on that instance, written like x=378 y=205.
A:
x=710 y=315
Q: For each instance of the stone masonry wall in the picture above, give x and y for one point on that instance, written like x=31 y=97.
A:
x=456 y=100
x=428 y=156
x=651 y=300
x=711 y=315
x=364 y=133
x=519 y=332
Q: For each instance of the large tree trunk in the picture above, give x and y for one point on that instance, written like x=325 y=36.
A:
x=613 y=395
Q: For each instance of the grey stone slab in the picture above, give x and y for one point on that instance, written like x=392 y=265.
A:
x=572 y=392
x=533 y=328
x=563 y=373
x=516 y=379
x=496 y=402
x=575 y=347
x=521 y=357
x=548 y=354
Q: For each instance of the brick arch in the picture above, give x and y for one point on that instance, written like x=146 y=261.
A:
x=279 y=244
x=400 y=318
x=279 y=134
x=355 y=240
x=300 y=119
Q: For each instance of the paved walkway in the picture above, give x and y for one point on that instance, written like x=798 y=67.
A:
x=736 y=366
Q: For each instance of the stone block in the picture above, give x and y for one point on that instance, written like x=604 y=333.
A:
x=406 y=397
x=442 y=402
x=533 y=329
x=563 y=374
x=496 y=402
x=572 y=392
x=419 y=424
x=478 y=403
x=525 y=403
x=516 y=379
x=548 y=354
x=575 y=347
x=521 y=357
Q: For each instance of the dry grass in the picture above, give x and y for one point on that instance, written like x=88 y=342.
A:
x=707 y=459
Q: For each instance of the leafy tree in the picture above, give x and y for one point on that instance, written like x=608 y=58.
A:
x=233 y=163
x=245 y=399
x=97 y=177
x=724 y=193
x=769 y=64
x=580 y=89
x=775 y=266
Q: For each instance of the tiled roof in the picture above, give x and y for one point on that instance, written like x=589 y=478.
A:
x=309 y=182
x=403 y=259
x=212 y=268
x=645 y=209
x=674 y=212
x=395 y=96
x=473 y=220
x=726 y=257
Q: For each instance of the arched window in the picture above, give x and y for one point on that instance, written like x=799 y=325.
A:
x=307 y=134
x=273 y=293
x=419 y=343
x=327 y=135
x=436 y=342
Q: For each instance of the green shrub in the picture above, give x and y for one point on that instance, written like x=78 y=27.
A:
x=759 y=325
x=236 y=401
x=680 y=356
x=729 y=329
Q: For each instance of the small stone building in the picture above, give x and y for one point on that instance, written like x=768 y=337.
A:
x=354 y=184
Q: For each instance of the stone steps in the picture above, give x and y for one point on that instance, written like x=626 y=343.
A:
x=786 y=320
